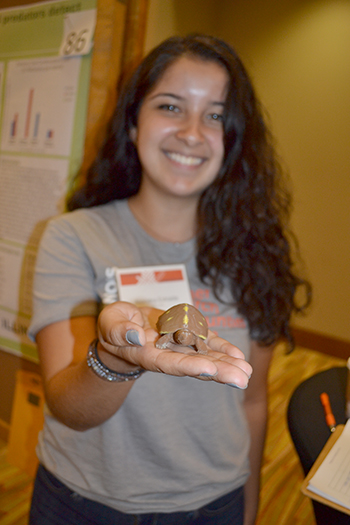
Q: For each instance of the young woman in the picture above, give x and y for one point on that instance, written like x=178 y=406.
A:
x=135 y=434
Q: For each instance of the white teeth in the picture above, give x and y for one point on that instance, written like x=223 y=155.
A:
x=182 y=159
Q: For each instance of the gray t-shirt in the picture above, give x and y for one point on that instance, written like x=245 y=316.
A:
x=176 y=443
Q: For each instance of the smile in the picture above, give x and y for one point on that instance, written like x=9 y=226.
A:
x=184 y=159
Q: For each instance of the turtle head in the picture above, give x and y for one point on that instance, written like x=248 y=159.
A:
x=184 y=337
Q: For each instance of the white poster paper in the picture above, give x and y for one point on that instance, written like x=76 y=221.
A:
x=44 y=88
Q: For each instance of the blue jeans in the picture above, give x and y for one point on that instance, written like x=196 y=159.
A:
x=55 y=504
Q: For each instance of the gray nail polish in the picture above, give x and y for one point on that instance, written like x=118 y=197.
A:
x=236 y=386
x=205 y=375
x=132 y=337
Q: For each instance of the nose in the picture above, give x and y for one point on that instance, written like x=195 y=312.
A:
x=191 y=131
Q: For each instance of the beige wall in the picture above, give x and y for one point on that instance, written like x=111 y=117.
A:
x=298 y=54
x=170 y=17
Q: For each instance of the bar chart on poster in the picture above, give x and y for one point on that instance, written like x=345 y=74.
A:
x=31 y=122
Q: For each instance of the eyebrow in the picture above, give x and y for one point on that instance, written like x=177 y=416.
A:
x=177 y=97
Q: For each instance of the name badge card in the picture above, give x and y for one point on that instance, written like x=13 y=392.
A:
x=158 y=286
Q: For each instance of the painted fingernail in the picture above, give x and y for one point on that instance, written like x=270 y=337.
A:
x=236 y=386
x=132 y=337
x=206 y=375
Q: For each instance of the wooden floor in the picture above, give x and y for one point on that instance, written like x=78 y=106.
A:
x=15 y=492
x=282 y=502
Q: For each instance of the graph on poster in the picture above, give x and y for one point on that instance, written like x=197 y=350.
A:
x=40 y=99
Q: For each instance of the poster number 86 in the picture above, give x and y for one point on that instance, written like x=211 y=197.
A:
x=75 y=42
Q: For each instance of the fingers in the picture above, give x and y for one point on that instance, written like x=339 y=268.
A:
x=235 y=373
x=221 y=345
x=217 y=344
x=121 y=323
x=215 y=366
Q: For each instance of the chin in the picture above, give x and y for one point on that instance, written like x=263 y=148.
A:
x=188 y=190
x=186 y=193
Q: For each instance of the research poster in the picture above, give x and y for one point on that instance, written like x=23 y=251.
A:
x=45 y=59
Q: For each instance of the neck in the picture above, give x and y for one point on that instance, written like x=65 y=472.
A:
x=165 y=221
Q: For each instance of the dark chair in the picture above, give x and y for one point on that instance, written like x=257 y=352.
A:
x=309 y=431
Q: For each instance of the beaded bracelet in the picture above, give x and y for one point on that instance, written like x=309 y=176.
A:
x=106 y=373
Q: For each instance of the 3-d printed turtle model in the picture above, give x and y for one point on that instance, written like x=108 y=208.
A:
x=184 y=325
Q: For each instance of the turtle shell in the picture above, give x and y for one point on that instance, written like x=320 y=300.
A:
x=183 y=316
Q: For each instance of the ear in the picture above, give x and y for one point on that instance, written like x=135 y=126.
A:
x=133 y=134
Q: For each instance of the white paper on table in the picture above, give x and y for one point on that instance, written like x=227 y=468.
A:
x=332 y=479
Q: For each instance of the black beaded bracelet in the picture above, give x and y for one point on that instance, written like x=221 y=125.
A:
x=106 y=373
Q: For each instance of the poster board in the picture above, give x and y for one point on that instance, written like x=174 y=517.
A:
x=45 y=61
x=118 y=45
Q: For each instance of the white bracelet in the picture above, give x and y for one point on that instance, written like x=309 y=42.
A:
x=106 y=373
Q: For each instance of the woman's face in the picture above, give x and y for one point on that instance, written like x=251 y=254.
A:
x=179 y=135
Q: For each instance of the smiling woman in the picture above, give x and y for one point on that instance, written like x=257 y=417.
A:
x=180 y=136
x=187 y=175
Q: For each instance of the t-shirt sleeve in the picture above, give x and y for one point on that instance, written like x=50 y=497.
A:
x=64 y=278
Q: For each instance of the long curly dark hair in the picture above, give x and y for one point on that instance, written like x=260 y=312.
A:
x=242 y=239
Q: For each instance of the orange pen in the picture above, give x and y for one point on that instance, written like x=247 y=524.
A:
x=330 y=419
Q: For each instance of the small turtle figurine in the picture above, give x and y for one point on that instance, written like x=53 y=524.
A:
x=184 y=325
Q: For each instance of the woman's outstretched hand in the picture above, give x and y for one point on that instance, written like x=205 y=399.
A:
x=129 y=333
